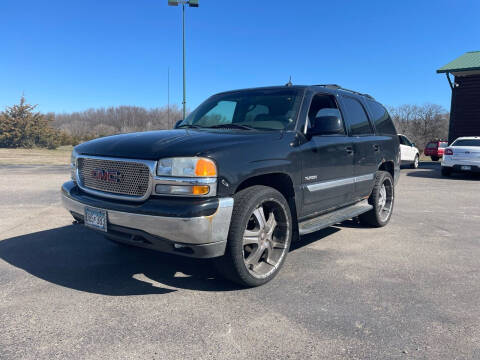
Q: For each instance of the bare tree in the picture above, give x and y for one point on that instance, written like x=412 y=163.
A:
x=421 y=123
x=114 y=120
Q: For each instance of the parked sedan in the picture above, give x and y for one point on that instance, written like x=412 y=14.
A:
x=409 y=154
x=462 y=156
x=435 y=149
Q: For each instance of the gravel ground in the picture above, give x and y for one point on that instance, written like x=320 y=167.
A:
x=410 y=290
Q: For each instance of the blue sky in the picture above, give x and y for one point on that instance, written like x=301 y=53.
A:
x=73 y=55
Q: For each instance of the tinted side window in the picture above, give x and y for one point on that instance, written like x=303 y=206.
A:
x=328 y=112
x=381 y=118
x=406 y=141
x=356 y=117
x=322 y=105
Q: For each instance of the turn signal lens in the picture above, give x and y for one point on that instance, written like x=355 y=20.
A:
x=200 y=189
x=448 y=152
x=182 y=189
x=205 y=167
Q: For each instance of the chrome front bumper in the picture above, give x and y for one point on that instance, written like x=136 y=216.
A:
x=212 y=229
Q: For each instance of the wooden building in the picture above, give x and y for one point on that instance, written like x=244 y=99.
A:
x=465 y=105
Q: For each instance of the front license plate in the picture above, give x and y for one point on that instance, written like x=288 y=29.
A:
x=466 y=167
x=96 y=219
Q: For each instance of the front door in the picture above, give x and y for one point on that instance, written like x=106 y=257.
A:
x=327 y=163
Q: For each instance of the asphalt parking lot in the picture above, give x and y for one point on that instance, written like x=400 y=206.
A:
x=409 y=290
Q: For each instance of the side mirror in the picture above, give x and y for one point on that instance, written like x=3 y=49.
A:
x=177 y=123
x=327 y=125
x=413 y=144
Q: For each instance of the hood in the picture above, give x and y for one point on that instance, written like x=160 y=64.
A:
x=153 y=145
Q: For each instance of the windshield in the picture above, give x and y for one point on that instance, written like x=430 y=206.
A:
x=268 y=109
x=467 y=142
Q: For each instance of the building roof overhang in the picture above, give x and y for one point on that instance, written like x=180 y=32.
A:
x=466 y=65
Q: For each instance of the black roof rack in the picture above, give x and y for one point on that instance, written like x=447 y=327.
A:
x=338 y=87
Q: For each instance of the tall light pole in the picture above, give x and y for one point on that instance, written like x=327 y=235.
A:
x=168 y=97
x=191 y=3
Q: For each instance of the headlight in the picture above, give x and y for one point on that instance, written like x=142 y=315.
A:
x=187 y=176
x=73 y=165
x=187 y=167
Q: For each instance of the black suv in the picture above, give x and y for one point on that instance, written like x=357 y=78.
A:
x=241 y=176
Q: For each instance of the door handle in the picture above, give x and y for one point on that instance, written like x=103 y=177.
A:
x=349 y=149
x=376 y=147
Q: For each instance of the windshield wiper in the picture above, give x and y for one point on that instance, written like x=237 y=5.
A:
x=230 y=126
x=190 y=126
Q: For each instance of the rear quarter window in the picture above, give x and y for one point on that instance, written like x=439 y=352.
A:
x=381 y=119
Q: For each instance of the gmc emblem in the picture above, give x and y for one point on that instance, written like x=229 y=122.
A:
x=107 y=175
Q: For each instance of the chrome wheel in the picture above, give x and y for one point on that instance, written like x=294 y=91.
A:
x=415 y=163
x=265 y=239
x=385 y=199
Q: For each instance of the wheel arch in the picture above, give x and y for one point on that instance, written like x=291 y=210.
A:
x=279 y=181
x=388 y=166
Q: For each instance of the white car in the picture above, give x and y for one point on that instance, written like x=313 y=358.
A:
x=409 y=154
x=462 y=155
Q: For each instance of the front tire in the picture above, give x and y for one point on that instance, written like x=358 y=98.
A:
x=382 y=199
x=415 y=162
x=259 y=237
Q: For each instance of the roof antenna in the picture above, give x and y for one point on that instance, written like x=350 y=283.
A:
x=289 y=81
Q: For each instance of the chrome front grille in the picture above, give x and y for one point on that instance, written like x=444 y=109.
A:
x=121 y=177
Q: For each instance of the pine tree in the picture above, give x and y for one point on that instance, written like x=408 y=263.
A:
x=21 y=126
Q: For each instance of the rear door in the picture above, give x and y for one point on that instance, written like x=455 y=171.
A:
x=405 y=150
x=411 y=150
x=366 y=145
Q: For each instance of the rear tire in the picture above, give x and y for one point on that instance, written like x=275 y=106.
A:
x=382 y=200
x=259 y=237
x=446 y=171
x=434 y=158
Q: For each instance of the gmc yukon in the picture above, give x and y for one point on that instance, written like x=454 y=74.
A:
x=241 y=176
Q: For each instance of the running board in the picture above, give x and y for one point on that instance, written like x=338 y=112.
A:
x=334 y=217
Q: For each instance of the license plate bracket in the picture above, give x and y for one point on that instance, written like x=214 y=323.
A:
x=465 y=167
x=95 y=218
